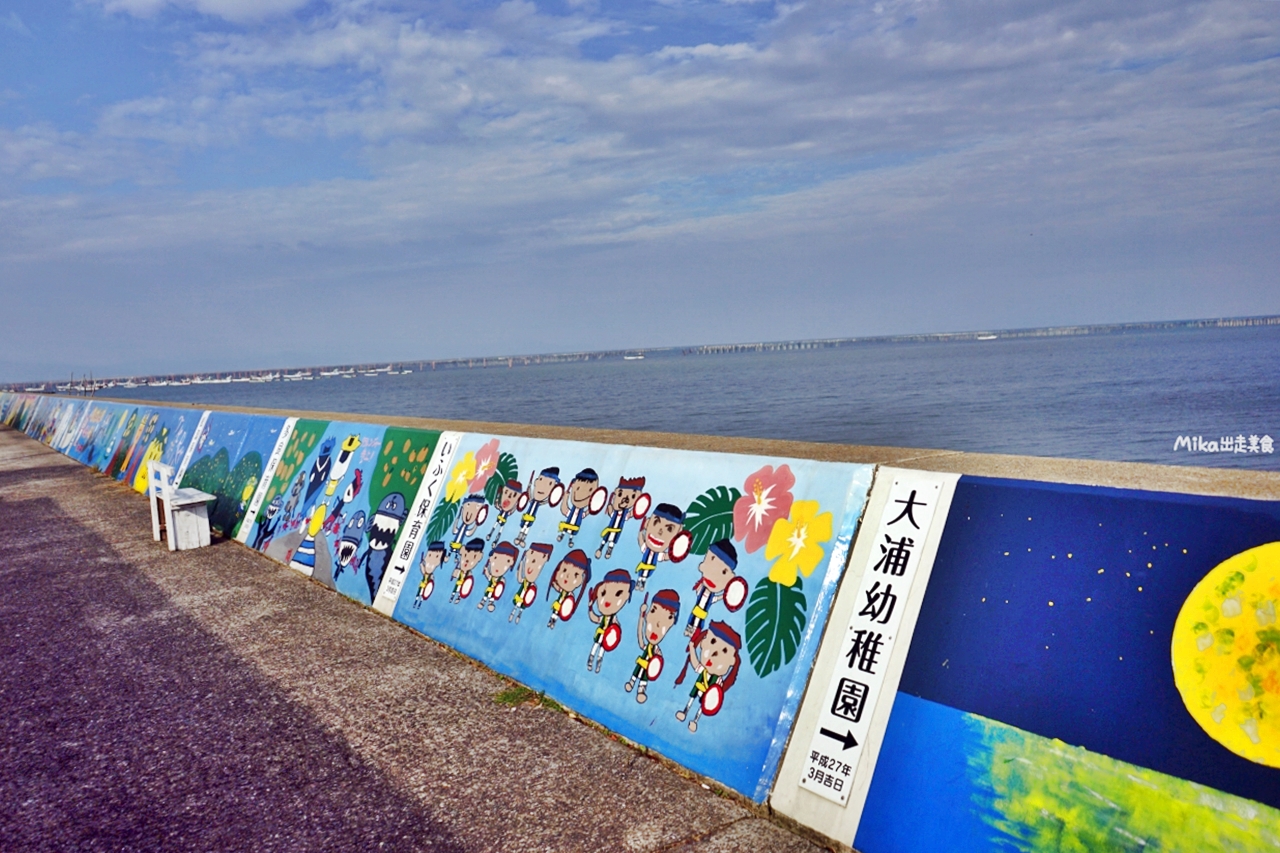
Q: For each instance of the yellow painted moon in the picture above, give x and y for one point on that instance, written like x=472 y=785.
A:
x=1226 y=654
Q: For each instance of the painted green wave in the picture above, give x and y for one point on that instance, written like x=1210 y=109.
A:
x=1041 y=794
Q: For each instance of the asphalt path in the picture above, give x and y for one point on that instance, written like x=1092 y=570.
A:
x=213 y=700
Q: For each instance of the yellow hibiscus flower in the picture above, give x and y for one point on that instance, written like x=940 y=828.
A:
x=795 y=542
x=460 y=478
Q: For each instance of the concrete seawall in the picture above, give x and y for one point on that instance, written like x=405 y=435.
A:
x=821 y=724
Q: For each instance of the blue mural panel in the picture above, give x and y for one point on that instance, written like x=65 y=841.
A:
x=228 y=458
x=676 y=598
x=94 y=428
x=339 y=499
x=1092 y=669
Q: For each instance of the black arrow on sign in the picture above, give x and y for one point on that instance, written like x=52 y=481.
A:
x=847 y=738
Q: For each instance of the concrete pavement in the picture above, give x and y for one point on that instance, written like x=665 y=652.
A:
x=215 y=700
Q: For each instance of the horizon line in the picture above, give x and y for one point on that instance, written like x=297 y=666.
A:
x=456 y=362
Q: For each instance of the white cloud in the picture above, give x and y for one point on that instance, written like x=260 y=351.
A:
x=500 y=137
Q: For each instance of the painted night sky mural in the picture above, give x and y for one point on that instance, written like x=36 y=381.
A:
x=1039 y=703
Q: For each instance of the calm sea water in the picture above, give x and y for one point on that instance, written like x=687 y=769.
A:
x=1123 y=396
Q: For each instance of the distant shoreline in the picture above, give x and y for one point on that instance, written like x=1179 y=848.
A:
x=89 y=384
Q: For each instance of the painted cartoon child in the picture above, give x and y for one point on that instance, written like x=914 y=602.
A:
x=465 y=525
x=655 y=537
x=717 y=569
x=432 y=558
x=620 y=503
x=507 y=500
x=470 y=557
x=577 y=503
x=655 y=621
x=572 y=575
x=605 y=601
x=539 y=493
x=501 y=559
x=714 y=655
x=527 y=573
x=304 y=557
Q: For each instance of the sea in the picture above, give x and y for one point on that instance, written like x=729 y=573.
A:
x=1183 y=396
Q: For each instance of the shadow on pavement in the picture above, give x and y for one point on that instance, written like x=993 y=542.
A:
x=125 y=726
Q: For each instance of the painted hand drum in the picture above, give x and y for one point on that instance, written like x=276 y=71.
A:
x=680 y=546
x=598 y=499
x=735 y=595
x=712 y=700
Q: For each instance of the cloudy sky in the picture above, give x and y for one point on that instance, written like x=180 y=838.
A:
x=205 y=184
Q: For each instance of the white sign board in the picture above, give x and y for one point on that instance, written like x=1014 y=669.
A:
x=833 y=750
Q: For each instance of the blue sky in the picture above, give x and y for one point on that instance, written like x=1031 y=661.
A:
x=294 y=182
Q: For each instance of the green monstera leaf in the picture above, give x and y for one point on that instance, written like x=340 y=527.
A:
x=775 y=622
x=506 y=470
x=710 y=517
x=441 y=520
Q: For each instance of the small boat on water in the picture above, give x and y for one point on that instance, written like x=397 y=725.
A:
x=987 y=337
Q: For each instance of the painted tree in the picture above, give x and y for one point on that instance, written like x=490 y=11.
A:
x=306 y=434
x=401 y=464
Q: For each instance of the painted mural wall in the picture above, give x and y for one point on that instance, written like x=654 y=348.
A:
x=336 y=503
x=676 y=598
x=1093 y=669
x=227 y=457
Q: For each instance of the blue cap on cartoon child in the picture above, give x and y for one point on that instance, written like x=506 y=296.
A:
x=726 y=633
x=476 y=544
x=619 y=576
x=670 y=512
x=470 y=508
x=552 y=473
x=725 y=551
x=587 y=475
x=505 y=549
x=668 y=599
x=436 y=546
